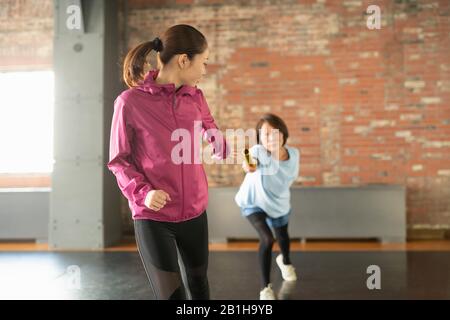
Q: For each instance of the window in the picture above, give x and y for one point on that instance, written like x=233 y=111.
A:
x=26 y=122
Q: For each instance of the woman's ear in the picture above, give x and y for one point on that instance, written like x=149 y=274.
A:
x=183 y=61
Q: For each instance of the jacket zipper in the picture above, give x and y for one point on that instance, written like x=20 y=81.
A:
x=182 y=171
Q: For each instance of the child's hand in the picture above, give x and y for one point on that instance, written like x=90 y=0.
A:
x=249 y=164
x=157 y=199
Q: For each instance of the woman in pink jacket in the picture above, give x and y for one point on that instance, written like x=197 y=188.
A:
x=154 y=156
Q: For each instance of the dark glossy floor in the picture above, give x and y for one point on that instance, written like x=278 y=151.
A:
x=232 y=275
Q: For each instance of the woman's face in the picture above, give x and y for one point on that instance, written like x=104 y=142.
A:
x=270 y=138
x=194 y=70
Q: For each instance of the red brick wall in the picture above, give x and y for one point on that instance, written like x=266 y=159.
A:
x=364 y=106
x=26 y=35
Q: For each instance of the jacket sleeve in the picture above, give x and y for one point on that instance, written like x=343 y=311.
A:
x=131 y=182
x=211 y=133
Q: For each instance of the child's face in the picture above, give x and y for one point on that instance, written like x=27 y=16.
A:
x=195 y=69
x=271 y=138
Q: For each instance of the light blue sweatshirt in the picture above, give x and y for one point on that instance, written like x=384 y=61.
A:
x=268 y=187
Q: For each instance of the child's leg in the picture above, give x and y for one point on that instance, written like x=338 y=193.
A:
x=258 y=221
x=283 y=241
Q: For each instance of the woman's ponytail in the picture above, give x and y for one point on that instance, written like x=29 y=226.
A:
x=133 y=66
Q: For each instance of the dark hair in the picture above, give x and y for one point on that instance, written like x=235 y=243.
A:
x=274 y=121
x=178 y=39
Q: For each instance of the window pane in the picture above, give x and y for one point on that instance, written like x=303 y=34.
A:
x=26 y=122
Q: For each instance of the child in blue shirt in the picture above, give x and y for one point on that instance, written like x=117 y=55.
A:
x=264 y=196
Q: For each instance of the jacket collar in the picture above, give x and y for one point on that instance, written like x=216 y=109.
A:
x=149 y=85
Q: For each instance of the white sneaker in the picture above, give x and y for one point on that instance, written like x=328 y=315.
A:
x=286 y=290
x=287 y=270
x=267 y=293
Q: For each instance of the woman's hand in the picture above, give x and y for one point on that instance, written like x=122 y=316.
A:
x=157 y=199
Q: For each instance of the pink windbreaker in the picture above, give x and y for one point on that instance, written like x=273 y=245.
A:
x=141 y=148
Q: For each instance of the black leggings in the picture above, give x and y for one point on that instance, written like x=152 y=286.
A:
x=258 y=221
x=157 y=244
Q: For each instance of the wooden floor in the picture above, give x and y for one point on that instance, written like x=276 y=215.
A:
x=232 y=275
x=130 y=245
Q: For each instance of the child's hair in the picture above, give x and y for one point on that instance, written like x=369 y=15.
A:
x=276 y=122
x=178 y=39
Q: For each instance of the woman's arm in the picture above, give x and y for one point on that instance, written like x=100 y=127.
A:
x=132 y=183
x=211 y=132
